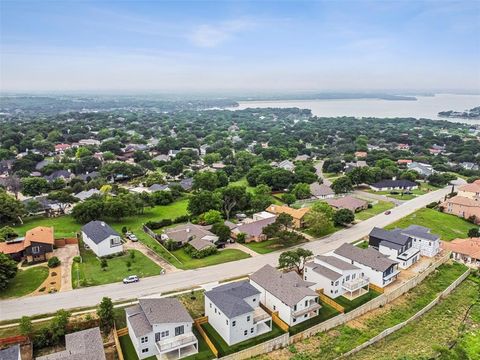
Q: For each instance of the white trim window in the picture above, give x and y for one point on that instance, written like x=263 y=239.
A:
x=144 y=339
x=35 y=249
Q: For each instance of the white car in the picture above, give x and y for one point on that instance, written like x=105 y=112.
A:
x=133 y=237
x=131 y=279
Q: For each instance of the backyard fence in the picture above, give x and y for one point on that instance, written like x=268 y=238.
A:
x=150 y=232
x=263 y=348
x=198 y=325
x=20 y=339
x=324 y=298
x=116 y=335
x=65 y=241
x=391 y=330
x=275 y=318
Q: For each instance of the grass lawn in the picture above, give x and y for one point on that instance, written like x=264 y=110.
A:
x=331 y=344
x=376 y=209
x=220 y=257
x=349 y=305
x=64 y=226
x=326 y=232
x=422 y=189
x=442 y=322
x=25 y=282
x=447 y=226
x=204 y=352
x=225 y=349
x=90 y=273
x=194 y=304
x=267 y=246
x=362 y=245
x=128 y=350
x=325 y=313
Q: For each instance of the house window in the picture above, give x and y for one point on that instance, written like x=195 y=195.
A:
x=336 y=283
x=234 y=323
x=144 y=350
x=348 y=277
x=227 y=322
x=144 y=339
x=274 y=307
x=157 y=337
x=331 y=283
x=210 y=305
x=215 y=310
x=248 y=318
x=306 y=303
x=245 y=332
x=35 y=249
x=305 y=315
x=179 y=330
x=305 y=270
x=251 y=331
x=165 y=333
x=254 y=299
x=305 y=278
x=294 y=319
x=295 y=307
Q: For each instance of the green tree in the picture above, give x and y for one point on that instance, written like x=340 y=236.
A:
x=106 y=315
x=33 y=186
x=59 y=324
x=10 y=208
x=324 y=208
x=285 y=220
x=234 y=198
x=8 y=270
x=104 y=264
x=318 y=223
x=294 y=259
x=89 y=210
x=222 y=231
x=212 y=217
x=206 y=180
x=301 y=191
x=202 y=202
x=7 y=233
x=342 y=185
x=473 y=232
x=288 y=198
x=343 y=217
x=63 y=199
x=26 y=327
x=241 y=237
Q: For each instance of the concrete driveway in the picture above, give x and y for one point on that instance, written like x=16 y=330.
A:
x=66 y=255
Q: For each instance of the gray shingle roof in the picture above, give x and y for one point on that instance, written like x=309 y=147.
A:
x=287 y=287
x=200 y=244
x=337 y=263
x=229 y=298
x=10 y=353
x=165 y=310
x=98 y=231
x=138 y=321
x=321 y=189
x=255 y=228
x=393 y=236
x=368 y=257
x=322 y=270
x=187 y=232
x=81 y=345
x=418 y=231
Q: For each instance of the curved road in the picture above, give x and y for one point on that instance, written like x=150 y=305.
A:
x=91 y=296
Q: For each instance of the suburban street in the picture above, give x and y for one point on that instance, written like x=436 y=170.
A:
x=91 y=296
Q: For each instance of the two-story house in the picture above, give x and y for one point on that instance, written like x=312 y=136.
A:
x=234 y=312
x=336 y=277
x=377 y=267
x=101 y=238
x=396 y=245
x=286 y=293
x=423 y=240
x=161 y=327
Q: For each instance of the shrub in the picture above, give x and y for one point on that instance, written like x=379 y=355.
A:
x=53 y=262
x=195 y=254
x=181 y=219
x=432 y=205
x=241 y=238
x=77 y=259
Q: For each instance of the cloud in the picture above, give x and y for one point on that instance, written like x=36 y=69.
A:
x=210 y=36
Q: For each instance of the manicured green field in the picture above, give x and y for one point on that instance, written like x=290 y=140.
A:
x=220 y=257
x=443 y=323
x=349 y=305
x=90 y=273
x=376 y=209
x=225 y=349
x=447 y=226
x=25 y=282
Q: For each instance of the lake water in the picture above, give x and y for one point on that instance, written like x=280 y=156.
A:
x=425 y=107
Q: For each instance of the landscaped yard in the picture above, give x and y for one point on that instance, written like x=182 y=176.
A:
x=90 y=273
x=25 y=282
x=349 y=305
x=376 y=209
x=186 y=262
x=447 y=226
x=443 y=323
x=422 y=189
x=362 y=245
x=64 y=226
x=224 y=349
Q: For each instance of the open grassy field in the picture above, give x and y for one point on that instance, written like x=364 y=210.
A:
x=376 y=209
x=267 y=246
x=443 y=323
x=186 y=262
x=90 y=273
x=447 y=226
x=25 y=282
x=64 y=226
x=331 y=344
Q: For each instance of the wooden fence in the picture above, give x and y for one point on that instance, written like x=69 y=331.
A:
x=377 y=288
x=329 y=301
x=116 y=335
x=65 y=241
x=275 y=318
x=198 y=325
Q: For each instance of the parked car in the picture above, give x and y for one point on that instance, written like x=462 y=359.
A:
x=131 y=279
x=132 y=237
x=388 y=212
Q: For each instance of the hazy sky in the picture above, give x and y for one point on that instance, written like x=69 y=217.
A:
x=197 y=45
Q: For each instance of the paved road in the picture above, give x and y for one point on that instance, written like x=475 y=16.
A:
x=318 y=169
x=91 y=296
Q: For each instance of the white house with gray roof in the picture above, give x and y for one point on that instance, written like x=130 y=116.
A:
x=161 y=327
x=286 y=293
x=101 y=238
x=81 y=345
x=377 y=267
x=234 y=312
x=423 y=240
x=336 y=277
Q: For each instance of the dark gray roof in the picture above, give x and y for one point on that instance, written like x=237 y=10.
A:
x=418 y=231
x=229 y=298
x=390 y=245
x=324 y=271
x=158 y=187
x=59 y=174
x=394 y=183
x=164 y=310
x=287 y=287
x=390 y=236
x=368 y=257
x=10 y=353
x=337 y=263
x=90 y=175
x=98 y=231
x=200 y=244
x=138 y=321
x=81 y=345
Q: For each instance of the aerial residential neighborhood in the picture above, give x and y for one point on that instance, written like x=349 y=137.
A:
x=265 y=180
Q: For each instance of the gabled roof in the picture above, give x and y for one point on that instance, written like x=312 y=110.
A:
x=295 y=213
x=229 y=298
x=187 y=232
x=164 y=310
x=98 y=231
x=347 y=202
x=336 y=262
x=469 y=247
x=200 y=244
x=394 y=183
x=254 y=228
x=394 y=236
x=321 y=189
x=324 y=271
x=287 y=287
x=41 y=234
x=418 y=231
x=368 y=257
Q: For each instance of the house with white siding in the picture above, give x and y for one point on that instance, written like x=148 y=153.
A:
x=101 y=238
x=286 y=293
x=161 y=327
x=234 y=312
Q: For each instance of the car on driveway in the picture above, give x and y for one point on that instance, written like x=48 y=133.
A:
x=131 y=279
x=131 y=236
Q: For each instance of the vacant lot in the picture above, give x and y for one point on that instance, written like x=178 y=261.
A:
x=443 y=323
x=376 y=209
x=333 y=343
x=186 y=262
x=25 y=282
x=447 y=226
x=267 y=246
x=89 y=272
